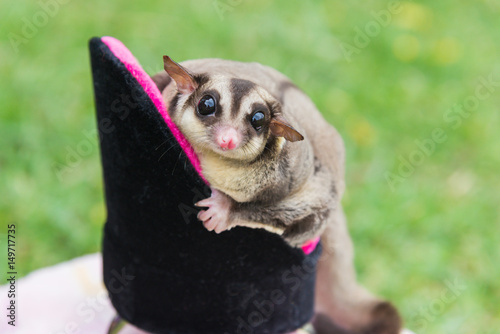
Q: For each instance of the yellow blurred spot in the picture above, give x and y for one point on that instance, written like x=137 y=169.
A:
x=97 y=213
x=22 y=186
x=85 y=281
x=362 y=133
x=446 y=51
x=460 y=183
x=406 y=48
x=414 y=16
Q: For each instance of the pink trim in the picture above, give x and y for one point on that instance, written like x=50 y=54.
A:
x=310 y=246
x=132 y=65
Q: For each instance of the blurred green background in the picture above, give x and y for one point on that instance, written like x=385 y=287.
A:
x=425 y=221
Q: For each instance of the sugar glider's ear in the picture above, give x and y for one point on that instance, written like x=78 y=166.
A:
x=185 y=81
x=281 y=128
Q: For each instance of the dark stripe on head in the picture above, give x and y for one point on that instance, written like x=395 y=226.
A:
x=239 y=88
x=201 y=80
x=257 y=106
x=172 y=107
x=274 y=107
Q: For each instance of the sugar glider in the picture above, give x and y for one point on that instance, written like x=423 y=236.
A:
x=273 y=162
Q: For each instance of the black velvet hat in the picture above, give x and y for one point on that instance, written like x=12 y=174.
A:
x=164 y=271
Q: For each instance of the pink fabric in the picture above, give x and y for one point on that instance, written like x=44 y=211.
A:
x=132 y=65
x=310 y=246
x=126 y=57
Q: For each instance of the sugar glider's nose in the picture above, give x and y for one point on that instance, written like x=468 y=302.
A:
x=228 y=138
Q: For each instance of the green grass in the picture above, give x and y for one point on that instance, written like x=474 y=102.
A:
x=436 y=227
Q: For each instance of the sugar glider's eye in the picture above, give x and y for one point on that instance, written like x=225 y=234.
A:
x=207 y=105
x=258 y=119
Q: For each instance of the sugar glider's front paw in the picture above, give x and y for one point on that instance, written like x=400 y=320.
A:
x=216 y=217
